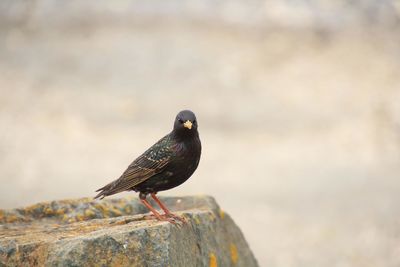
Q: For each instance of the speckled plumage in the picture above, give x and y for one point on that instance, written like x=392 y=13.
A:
x=165 y=165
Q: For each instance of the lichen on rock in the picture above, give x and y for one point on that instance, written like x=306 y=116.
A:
x=119 y=232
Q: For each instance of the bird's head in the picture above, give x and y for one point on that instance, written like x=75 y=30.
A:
x=185 y=122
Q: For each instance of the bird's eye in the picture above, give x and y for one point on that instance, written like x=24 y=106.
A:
x=180 y=120
x=194 y=122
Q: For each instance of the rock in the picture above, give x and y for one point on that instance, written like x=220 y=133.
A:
x=116 y=232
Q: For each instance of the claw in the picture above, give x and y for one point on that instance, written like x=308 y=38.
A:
x=170 y=220
x=176 y=217
x=166 y=210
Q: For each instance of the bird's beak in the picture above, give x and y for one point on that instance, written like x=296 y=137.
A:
x=188 y=124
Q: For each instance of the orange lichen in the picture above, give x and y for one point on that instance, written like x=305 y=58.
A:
x=48 y=211
x=31 y=209
x=234 y=253
x=221 y=214
x=11 y=218
x=60 y=211
x=80 y=217
x=213 y=260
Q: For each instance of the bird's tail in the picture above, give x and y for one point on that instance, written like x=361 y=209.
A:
x=106 y=190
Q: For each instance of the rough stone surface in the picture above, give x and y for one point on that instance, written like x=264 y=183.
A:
x=116 y=232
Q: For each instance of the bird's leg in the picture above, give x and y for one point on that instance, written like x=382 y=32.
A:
x=156 y=214
x=153 y=210
x=166 y=210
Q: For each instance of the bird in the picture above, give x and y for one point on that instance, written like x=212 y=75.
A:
x=165 y=165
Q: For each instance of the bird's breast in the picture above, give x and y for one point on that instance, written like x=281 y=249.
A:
x=187 y=157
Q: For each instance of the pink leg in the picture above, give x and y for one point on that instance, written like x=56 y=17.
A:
x=155 y=212
x=166 y=210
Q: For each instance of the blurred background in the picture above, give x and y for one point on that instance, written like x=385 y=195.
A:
x=298 y=103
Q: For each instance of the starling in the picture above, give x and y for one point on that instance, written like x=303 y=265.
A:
x=165 y=165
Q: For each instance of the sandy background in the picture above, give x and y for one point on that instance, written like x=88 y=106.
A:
x=298 y=104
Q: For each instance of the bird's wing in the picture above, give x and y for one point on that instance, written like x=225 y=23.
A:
x=145 y=166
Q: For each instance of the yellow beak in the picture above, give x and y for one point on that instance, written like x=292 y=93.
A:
x=188 y=124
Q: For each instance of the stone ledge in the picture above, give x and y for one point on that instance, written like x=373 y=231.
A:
x=116 y=232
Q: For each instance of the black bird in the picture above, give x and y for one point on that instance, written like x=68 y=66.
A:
x=165 y=165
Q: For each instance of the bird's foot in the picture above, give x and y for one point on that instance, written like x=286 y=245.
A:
x=169 y=219
x=176 y=217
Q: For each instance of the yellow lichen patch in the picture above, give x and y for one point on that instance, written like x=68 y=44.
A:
x=48 y=211
x=65 y=218
x=234 y=253
x=119 y=260
x=60 y=212
x=89 y=214
x=53 y=212
x=120 y=222
x=32 y=208
x=128 y=209
x=213 y=260
x=221 y=214
x=108 y=210
x=212 y=216
x=113 y=212
x=197 y=220
x=80 y=217
x=100 y=207
x=11 y=218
